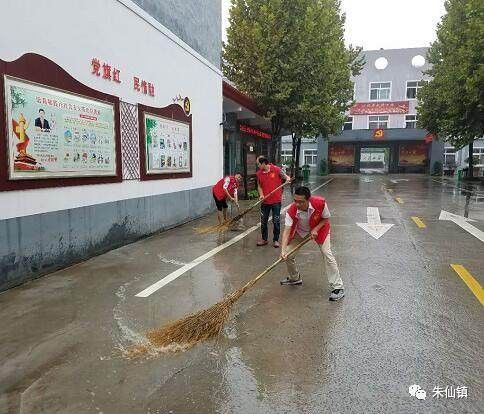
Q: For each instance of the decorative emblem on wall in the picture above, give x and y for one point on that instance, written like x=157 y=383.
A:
x=184 y=102
x=186 y=105
x=379 y=133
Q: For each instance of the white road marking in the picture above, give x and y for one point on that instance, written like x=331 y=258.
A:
x=463 y=223
x=395 y=181
x=374 y=227
x=177 y=273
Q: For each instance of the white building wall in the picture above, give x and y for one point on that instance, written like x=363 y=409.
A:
x=73 y=32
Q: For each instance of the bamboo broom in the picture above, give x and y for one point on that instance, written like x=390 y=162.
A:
x=226 y=224
x=204 y=324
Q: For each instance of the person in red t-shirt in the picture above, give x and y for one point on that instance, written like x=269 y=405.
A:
x=269 y=177
x=226 y=188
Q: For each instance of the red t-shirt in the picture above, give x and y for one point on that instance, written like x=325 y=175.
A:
x=269 y=181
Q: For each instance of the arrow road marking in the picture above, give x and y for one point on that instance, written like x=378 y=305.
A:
x=374 y=227
x=463 y=223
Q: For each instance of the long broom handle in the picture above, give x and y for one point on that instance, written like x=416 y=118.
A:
x=251 y=283
x=258 y=202
x=268 y=195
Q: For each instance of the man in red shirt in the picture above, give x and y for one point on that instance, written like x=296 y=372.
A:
x=269 y=177
x=226 y=188
x=309 y=215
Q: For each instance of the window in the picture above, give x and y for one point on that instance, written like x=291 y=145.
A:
x=377 y=121
x=380 y=91
x=478 y=155
x=449 y=156
x=286 y=156
x=410 y=121
x=348 y=125
x=413 y=87
x=310 y=157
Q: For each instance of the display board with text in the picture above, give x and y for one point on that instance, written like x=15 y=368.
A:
x=56 y=134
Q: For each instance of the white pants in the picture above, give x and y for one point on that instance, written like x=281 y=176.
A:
x=330 y=265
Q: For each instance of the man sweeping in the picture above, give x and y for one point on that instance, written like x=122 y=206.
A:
x=226 y=189
x=310 y=215
x=269 y=177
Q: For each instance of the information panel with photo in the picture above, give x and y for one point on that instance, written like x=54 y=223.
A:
x=54 y=134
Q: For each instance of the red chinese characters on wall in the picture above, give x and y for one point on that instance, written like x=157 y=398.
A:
x=373 y=108
x=111 y=73
x=105 y=70
x=146 y=88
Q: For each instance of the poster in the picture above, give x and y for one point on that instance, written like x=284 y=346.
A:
x=414 y=154
x=342 y=155
x=251 y=163
x=54 y=134
x=167 y=145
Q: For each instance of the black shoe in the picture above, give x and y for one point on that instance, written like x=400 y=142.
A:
x=337 y=294
x=290 y=282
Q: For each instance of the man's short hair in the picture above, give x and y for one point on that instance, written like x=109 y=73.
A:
x=263 y=160
x=304 y=191
x=238 y=173
x=41 y=110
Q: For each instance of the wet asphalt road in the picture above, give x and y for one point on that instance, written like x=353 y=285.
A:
x=407 y=318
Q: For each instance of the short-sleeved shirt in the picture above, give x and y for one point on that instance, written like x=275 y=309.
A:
x=269 y=181
x=303 y=228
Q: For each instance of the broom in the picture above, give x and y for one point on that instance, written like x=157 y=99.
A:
x=226 y=224
x=207 y=323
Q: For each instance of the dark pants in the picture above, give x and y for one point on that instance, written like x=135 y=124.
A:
x=265 y=211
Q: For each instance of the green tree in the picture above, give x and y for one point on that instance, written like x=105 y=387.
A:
x=289 y=56
x=451 y=104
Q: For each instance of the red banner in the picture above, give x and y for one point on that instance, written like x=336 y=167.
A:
x=373 y=108
x=414 y=154
x=342 y=155
x=253 y=131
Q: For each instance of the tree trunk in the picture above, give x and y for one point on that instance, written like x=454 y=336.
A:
x=275 y=155
x=298 y=153
x=470 y=174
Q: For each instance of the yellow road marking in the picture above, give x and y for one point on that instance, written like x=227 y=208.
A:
x=471 y=283
x=399 y=200
x=418 y=221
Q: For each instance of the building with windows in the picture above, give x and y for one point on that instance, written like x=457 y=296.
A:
x=380 y=133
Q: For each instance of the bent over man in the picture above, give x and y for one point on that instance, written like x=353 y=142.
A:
x=310 y=215
x=226 y=189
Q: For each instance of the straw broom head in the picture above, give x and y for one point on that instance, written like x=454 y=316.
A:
x=202 y=325
x=196 y=327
